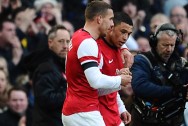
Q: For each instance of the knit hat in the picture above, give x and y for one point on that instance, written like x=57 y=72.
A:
x=39 y=3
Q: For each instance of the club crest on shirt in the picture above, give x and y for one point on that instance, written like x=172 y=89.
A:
x=110 y=61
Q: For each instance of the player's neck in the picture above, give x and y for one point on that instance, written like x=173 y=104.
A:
x=108 y=40
x=92 y=29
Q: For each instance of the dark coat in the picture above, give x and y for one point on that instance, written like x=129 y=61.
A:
x=49 y=86
x=9 y=118
x=146 y=83
x=154 y=84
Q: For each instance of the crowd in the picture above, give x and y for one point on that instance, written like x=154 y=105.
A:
x=124 y=60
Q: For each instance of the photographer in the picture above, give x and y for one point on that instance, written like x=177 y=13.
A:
x=159 y=81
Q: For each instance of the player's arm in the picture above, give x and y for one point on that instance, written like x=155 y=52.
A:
x=126 y=56
x=87 y=54
x=102 y=91
x=125 y=115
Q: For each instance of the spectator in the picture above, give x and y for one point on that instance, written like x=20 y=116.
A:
x=26 y=82
x=68 y=25
x=23 y=19
x=46 y=68
x=27 y=31
x=48 y=14
x=138 y=16
x=143 y=44
x=156 y=20
x=183 y=30
x=4 y=65
x=10 y=48
x=17 y=108
x=8 y=7
x=178 y=15
x=169 y=4
x=4 y=88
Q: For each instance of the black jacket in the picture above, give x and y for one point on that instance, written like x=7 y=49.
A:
x=9 y=118
x=49 y=87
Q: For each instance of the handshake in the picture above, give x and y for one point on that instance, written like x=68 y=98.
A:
x=126 y=76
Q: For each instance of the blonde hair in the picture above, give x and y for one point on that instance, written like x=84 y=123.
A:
x=4 y=94
x=160 y=17
x=4 y=65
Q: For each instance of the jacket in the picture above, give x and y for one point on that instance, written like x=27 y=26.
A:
x=158 y=87
x=49 y=86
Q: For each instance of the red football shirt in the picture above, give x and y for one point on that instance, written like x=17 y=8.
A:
x=80 y=96
x=112 y=63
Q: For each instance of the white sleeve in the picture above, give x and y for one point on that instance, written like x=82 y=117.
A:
x=88 y=50
x=102 y=91
x=93 y=74
x=98 y=80
x=121 y=106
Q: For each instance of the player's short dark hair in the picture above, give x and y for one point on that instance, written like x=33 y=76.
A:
x=122 y=17
x=95 y=8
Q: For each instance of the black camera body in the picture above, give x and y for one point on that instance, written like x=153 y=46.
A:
x=152 y=113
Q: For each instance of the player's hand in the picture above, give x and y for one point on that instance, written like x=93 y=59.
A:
x=124 y=71
x=126 y=117
x=127 y=90
x=125 y=79
x=127 y=58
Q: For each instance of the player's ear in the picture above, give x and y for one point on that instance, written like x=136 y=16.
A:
x=110 y=30
x=50 y=42
x=99 y=19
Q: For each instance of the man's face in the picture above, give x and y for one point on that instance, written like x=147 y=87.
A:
x=143 y=44
x=119 y=34
x=60 y=43
x=106 y=23
x=8 y=31
x=46 y=11
x=18 y=102
x=165 y=46
x=130 y=9
x=178 y=15
x=154 y=24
